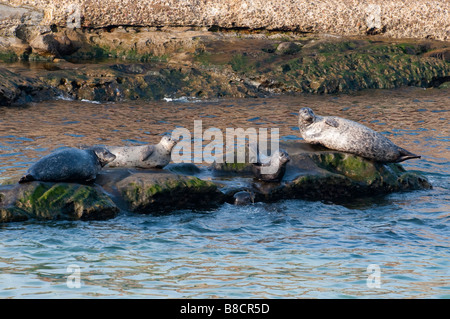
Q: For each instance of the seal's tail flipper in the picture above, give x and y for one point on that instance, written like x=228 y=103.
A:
x=26 y=178
x=406 y=155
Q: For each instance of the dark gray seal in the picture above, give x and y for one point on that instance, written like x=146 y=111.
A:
x=348 y=136
x=244 y=198
x=69 y=165
x=144 y=156
x=271 y=169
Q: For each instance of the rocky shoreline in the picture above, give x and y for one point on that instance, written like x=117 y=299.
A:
x=106 y=57
x=312 y=174
x=205 y=65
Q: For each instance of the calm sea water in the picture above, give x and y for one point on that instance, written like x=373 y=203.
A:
x=288 y=249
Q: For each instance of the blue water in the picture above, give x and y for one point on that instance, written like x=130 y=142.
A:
x=288 y=249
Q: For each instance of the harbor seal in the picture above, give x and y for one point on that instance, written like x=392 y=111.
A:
x=271 y=169
x=348 y=136
x=69 y=165
x=244 y=198
x=144 y=156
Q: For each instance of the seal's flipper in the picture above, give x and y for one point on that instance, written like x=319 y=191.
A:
x=146 y=152
x=331 y=122
x=406 y=155
x=26 y=178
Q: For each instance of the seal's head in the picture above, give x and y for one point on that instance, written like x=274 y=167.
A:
x=168 y=142
x=244 y=198
x=279 y=158
x=306 y=116
x=103 y=155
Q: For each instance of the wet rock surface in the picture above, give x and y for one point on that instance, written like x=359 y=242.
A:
x=313 y=173
x=319 y=174
x=54 y=201
x=161 y=191
x=127 y=63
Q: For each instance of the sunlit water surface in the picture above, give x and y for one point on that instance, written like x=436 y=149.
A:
x=288 y=249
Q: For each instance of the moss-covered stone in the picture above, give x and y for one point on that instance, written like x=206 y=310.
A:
x=325 y=175
x=340 y=176
x=163 y=191
x=330 y=67
x=445 y=85
x=49 y=201
x=205 y=64
x=413 y=181
x=348 y=165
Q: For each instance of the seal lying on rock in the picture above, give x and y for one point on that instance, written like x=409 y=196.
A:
x=145 y=156
x=69 y=165
x=271 y=169
x=348 y=136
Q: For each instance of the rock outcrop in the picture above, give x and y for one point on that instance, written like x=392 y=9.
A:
x=159 y=191
x=213 y=65
x=219 y=48
x=316 y=173
x=394 y=18
x=313 y=173
x=54 y=201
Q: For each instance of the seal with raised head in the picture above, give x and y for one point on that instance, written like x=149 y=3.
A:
x=69 y=165
x=271 y=169
x=348 y=136
x=144 y=156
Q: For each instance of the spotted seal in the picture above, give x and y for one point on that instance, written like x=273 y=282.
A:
x=348 y=136
x=271 y=169
x=144 y=156
x=69 y=165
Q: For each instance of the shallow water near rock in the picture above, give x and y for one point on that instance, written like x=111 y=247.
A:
x=287 y=249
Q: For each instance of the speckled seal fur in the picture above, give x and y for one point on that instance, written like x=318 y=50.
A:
x=143 y=156
x=348 y=136
x=69 y=165
x=279 y=159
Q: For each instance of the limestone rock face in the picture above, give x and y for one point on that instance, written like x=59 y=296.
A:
x=54 y=201
x=417 y=18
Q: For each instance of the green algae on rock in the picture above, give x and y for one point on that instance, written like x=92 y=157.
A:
x=319 y=174
x=19 y=89
x=54 y=201
x=342 y=176
x=226 y=168
x=205 y=64
x=164 y=191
